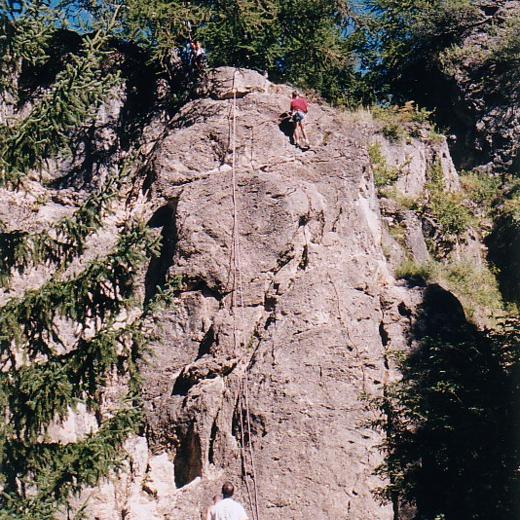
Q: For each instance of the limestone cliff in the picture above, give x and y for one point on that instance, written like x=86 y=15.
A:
x=262 y=364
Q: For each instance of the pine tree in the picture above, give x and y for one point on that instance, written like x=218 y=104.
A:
x=40 y=382
x=26 y=28
x=302 y=41
x=70 y=103
x=400 y=43
x=452 y=427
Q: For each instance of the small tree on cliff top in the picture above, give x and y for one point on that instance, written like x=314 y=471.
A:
x=302 y=41
x=401 y=40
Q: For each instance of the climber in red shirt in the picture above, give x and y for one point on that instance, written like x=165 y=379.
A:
x=298 y=111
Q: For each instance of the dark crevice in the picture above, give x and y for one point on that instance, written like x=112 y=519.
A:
x=270 y=304
x=188 y=458
x=182 y=385
x=404 y=310
x=188 y=378
x=206 y=343
x=270 y=320
x=212 y=439
x=270 y=308
x=201 y=285
x=337 y=220
x=149 y=177
x=490 y=10
x=384 y=334
x=304 y=220
x=237 y=424
x=304 y=262
x=158 y=268
x=285 y=258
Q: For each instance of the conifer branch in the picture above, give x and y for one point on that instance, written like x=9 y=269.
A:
x=55 y=471
x=26 y=30
x=60 y=244
x=72 y=101
x=35 y=395
x=102 y=290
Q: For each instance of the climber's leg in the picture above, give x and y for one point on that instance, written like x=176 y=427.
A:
x=296 y=134
x=302 y=130
x=299 y=134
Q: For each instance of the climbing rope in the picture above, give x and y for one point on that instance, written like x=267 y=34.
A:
x=237 y=304
x=346 y=333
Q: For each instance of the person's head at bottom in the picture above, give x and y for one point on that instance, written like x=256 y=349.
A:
x=227 y=490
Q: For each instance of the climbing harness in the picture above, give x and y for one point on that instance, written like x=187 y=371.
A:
x=237 y=308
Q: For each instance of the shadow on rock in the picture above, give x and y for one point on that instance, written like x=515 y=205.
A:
x=286 y=126
x=453 y=448
x=158 y=268
x=504 y=252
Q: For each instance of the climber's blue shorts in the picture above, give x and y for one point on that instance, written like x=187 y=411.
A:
x=298 y=117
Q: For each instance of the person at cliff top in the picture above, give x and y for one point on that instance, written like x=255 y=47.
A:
x=298 y=111
x=198 y=54
x=227 y=508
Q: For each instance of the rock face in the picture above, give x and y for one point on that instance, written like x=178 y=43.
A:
x=307 y=343
x=260 y=369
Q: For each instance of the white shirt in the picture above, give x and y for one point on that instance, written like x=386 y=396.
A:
x=228 y=509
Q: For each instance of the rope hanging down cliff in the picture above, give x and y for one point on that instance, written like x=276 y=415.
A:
x=247 y=455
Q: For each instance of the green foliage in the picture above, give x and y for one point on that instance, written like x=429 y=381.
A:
x=504 y=56
x=244 y=33
x=384 y=175
x=44 y=376
x=403 y=201
x=449 y=212
x=451 y=426
x=447 y=208
x=163 y=26
x=435 y=137
x=32 y=396
x=394 y=132
x=475 y=286
x=403 y=38
x=70 y=103
x=56 y=471
x=456 y=56
x=317 y=53
x=98 y=294
x=409 y=112
x=26 y=30
x=301 y=41
x=42 y=392
x=483 y=190
x=418 y=272
x=402 y=122
x=63 y=241
x=510 y=209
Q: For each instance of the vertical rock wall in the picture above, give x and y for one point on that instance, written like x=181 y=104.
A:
x=260 y=370
x=281 y=411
